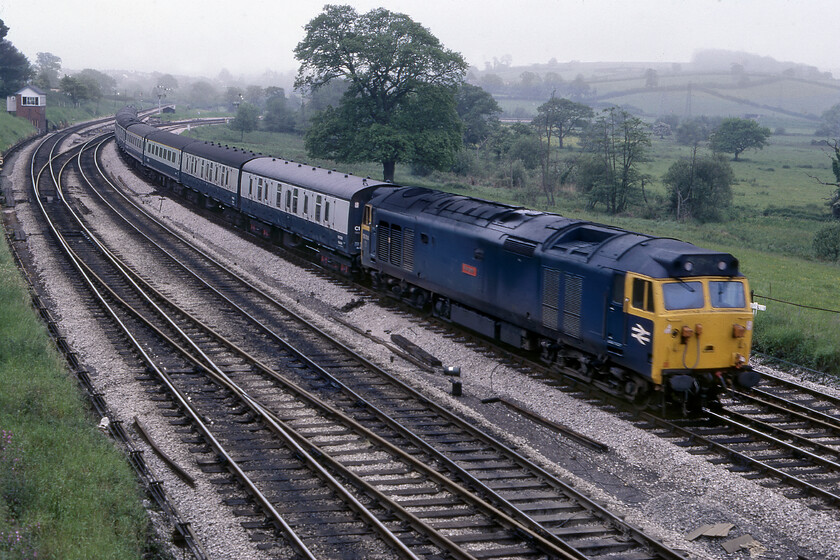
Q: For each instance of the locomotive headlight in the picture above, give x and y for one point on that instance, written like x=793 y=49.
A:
x=722 y=266
x=688 y=266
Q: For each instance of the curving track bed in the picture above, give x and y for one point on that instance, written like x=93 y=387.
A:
x=324 y=453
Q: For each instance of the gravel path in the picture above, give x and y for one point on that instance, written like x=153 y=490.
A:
x=653 y=484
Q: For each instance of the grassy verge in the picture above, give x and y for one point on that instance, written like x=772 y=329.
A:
x=13 y=129
x=65 y=490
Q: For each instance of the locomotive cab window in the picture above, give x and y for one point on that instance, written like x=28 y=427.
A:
x=727 y=294
x=642 y=294
x=683 y=295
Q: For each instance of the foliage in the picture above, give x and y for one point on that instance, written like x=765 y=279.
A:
x=616 y=144
x=827 y=243
x=74 y=88
x=424 y=130
x=96 y=82
x=561 y=117
x=830 y=123
x=279 y=117
x=735 y=135
x=246 y=120
x=479 y=112
x=557 y=119
x=700 y=188
x=47 y=67
x=167 y=82
x=693 y=131
x=394 y=67
x=15 y=69
x=203 y=94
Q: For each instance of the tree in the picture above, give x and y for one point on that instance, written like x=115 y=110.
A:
x=47 y=67
x=15 y=69
x=700 y=188
x=735 y=135
x=234 y=96
x=578 y=88
x=395 y=68
x=74 y=88
x=560 y=117
x=203 y=94
x=255 y=95
x=556 y=118
x=278 y=116
x=424 y=131
x=661 y=129
x=246 y=120
x=830 y=123
x=479 y=111
x=834 y=200
x=96 y=82
x=827 y=243
x=693 y=131
x=615 y=143
x=167 y=82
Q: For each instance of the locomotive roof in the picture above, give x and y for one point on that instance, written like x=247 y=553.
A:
x=529 y=232
x=141 y=129
x=168 y=139
x=233 y=157
x=127 y=116
x=342 y=185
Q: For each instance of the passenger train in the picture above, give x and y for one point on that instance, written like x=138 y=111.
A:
x=659 y=321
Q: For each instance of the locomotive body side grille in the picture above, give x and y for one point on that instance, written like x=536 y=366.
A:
x=551 y=297
x=572 y=305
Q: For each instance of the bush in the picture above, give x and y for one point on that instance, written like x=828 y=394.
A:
x=827 y=243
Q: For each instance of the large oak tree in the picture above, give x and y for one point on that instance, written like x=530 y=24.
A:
x=399 y=105
x=735 y=135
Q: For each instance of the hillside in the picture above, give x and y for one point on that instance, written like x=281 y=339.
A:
x=715 y=83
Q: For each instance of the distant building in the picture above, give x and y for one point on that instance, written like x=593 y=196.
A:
x=29 y=103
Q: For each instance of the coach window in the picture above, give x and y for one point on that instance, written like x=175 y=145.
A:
x=288 y=200
x=642 y=294
x=327 y=211
x=305 y=204
x=318 y=208
x=294 y=201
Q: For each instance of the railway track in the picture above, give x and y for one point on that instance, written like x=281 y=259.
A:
x=281 y=406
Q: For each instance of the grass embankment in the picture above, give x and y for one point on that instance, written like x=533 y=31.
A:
x=65 y=491
x=12 y=130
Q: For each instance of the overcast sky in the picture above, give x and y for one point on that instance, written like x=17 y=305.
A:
x=248 y=37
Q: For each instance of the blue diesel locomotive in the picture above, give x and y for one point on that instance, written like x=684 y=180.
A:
x=656 y=320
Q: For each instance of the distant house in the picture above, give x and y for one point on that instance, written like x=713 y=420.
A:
x=29 y=103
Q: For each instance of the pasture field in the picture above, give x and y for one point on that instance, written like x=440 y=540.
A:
x=65 y=490
x=777 y=209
